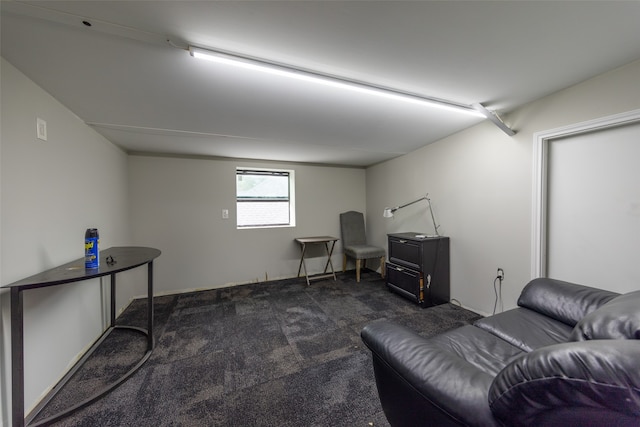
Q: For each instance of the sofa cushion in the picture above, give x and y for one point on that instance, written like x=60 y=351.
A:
x=617 y=319
x=483 y=350
x=563 y=301
x=525 y=329
x=578 y=383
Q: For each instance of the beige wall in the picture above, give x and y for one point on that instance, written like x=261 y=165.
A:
x=480 y=181
x=51 y=192
x=177 y=203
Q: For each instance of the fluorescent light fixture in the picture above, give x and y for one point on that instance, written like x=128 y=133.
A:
x=388 y=212
x=328 y=80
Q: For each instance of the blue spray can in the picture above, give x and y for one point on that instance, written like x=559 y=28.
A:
x=91 y=252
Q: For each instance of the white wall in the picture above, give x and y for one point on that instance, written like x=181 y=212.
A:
x=51 y=192
x=177 y=207
x=480 y=181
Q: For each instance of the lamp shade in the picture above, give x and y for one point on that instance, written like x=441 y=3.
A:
x=388 y=213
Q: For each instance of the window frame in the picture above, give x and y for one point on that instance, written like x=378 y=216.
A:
x=290 y=201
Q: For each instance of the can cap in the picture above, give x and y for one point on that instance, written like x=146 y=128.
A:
x=91 y=233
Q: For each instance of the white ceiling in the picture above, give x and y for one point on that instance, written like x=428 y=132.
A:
x=122 y=77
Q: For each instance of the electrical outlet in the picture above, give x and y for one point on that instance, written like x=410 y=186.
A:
x=500 y=274
x=225 y=213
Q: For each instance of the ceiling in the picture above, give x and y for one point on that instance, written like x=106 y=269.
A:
x=129 y=76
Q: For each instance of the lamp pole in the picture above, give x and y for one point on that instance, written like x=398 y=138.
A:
x=388 y=212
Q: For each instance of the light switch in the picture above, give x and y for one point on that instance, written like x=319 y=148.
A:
x=41 y=129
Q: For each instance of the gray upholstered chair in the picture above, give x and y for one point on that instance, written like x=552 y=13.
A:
x=354 y=242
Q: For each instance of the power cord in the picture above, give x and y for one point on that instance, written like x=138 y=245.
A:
x=497 y=290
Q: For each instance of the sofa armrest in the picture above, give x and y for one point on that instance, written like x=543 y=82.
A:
x=617 y=319
x=563 y=301
x=571 y=384
x=448 y=389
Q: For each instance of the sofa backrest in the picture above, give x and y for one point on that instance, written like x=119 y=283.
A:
x=617 y=319
x=564 y=301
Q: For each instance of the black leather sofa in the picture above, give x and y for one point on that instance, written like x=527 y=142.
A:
x=568 y=355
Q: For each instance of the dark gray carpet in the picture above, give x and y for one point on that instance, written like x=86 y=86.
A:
x=278 y=353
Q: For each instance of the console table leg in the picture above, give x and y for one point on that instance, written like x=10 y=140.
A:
x=150 y=305
x=17 y=358
x=113 y=300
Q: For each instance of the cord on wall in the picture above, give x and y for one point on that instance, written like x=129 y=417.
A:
x=497 y=290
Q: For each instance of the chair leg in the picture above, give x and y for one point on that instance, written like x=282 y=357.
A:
x=382 y=267
x=344 y=262
x=358 y=270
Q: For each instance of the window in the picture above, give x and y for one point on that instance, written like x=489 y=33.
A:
x=265 y=198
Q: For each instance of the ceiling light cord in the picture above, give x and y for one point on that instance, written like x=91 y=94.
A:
x=172 y=44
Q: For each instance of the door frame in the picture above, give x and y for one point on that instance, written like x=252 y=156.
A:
x=541 y=142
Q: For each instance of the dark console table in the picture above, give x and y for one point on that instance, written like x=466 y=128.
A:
x=418 y=267
x=112 y=261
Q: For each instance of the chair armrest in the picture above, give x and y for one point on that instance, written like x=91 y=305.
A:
x=563 y=301
x=571 y=384
x=446 y=382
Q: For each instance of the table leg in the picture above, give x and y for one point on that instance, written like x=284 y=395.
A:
x=329 y=254
x=303 y=264
x=17 y=358
x=150 y=305
x=326 y=266
x=302 y=247
x=113 y=300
